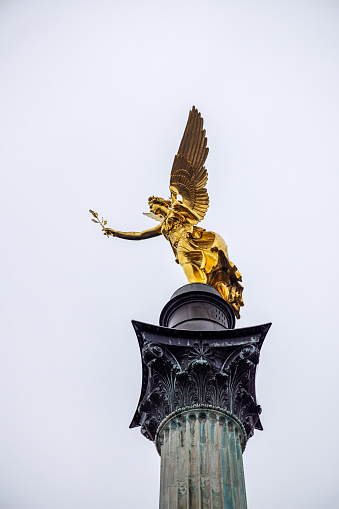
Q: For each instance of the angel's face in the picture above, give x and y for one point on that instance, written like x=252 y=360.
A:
x=158 y=209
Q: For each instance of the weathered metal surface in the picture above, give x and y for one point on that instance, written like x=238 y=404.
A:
x=188 y=367
x=197 y=307
x=198 y=401
x=201 y=460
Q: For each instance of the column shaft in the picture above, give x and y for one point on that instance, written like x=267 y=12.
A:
x=201 y=460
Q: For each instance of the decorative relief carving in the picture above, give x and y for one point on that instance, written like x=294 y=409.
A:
x=185 y=368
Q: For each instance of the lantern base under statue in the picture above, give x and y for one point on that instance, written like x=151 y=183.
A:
x=197 y=306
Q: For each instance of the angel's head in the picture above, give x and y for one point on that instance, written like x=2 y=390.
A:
x=159 y=206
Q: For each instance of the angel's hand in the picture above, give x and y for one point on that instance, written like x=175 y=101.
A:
x=109 y=232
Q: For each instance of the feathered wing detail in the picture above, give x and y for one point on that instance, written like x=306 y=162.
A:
x=193 y=145
x=189 y=183
x=188 y=175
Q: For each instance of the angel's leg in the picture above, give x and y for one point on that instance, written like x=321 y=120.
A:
x=223 y=289
x=193 y=273
x=191 y=261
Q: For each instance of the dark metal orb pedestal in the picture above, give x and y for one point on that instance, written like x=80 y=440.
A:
x=198 y=394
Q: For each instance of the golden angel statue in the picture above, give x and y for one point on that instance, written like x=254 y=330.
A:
x=202 y=254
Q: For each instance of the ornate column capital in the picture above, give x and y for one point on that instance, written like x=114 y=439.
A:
x=191 y=367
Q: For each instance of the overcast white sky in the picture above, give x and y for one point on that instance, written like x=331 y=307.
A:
x=94 y=100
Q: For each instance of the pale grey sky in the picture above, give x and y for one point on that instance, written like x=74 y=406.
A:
x=94 y=101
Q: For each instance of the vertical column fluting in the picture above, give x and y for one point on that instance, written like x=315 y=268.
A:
x=201 y=460
x=198 y=400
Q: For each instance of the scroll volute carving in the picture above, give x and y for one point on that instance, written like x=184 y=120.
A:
x=181 y=370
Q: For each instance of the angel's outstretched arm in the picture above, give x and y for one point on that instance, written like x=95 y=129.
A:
x=146 y=234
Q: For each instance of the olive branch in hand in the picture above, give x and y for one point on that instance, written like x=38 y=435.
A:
x=97 y=220
x=107 y=231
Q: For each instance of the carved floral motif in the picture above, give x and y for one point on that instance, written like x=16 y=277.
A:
x=179 y=372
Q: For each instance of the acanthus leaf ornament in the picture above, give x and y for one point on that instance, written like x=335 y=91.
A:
x=218 y=370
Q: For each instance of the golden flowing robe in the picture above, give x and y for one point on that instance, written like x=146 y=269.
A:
x=205 y=252
x=202 y=254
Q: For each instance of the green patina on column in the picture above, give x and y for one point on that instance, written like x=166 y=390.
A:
x=198 y=401
x=201 y=459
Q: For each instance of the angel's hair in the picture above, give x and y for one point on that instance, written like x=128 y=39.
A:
x=157 y=200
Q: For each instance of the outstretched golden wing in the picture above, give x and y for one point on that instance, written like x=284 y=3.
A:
x=188 y=175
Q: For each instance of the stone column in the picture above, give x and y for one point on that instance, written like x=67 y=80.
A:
x=198 y=401
x=201 y=460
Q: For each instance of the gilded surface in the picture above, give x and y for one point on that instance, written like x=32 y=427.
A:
x=202 y=254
